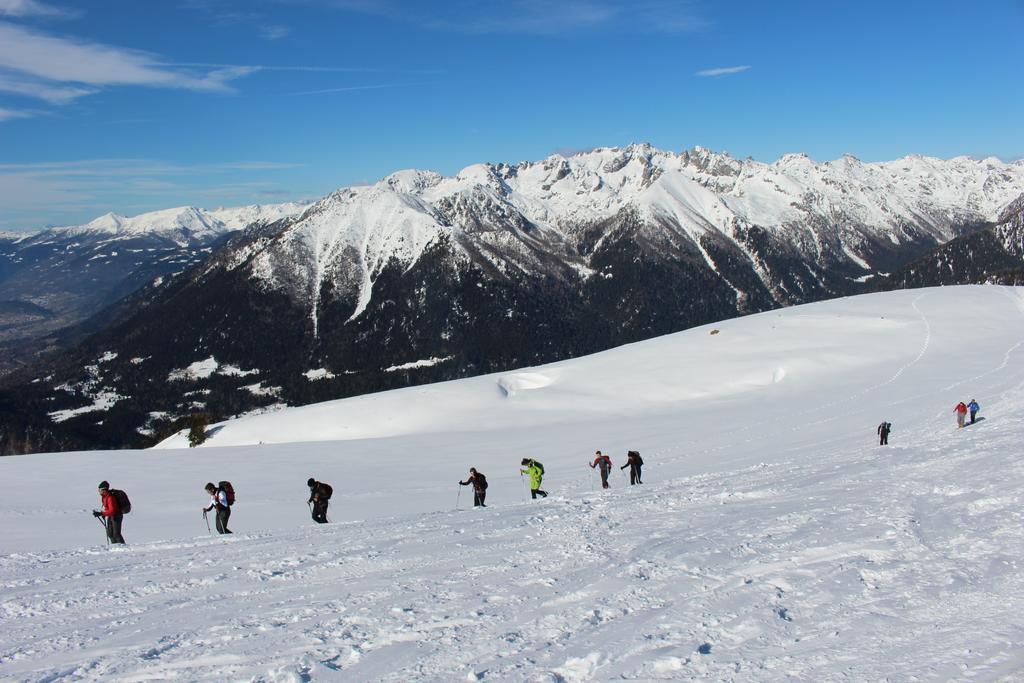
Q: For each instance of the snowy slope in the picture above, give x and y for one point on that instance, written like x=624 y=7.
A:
x=772 y=539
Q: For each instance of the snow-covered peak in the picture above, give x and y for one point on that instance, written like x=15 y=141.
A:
x=412 y=181
x=183 y=220
x=239 y=217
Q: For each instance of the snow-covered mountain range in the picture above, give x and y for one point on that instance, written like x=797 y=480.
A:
x=422 y=277
x=556 y=214
x=772 y=538
x=53 y=278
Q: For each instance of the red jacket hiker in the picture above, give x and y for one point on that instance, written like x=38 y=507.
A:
x=961 y=413
x=110 y=507
x=605 y=463
x=111 y=512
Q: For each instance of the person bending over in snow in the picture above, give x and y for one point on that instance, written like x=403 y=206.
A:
x=536 y=472
x=974 y=408
x=634 y=462
x=111 y=513
x=479 y=482
x=961 y=412
x=883 y=433
x=605 y=463
x=219 y=500
x=319 y=495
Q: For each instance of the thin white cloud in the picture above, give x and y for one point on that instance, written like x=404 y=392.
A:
x=722 y=71
x=350 y=88
x=8 y=114
x=275 y=31
x=535 y=17
x=33 y=8
x=54 y=94
x=46 y=60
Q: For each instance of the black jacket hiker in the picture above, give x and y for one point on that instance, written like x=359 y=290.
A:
x=634 y=462
x=219 y=500
x=320 y=496
x=883 y=433
x=479 y=482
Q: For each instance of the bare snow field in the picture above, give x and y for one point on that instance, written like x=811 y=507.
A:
x=772 y=538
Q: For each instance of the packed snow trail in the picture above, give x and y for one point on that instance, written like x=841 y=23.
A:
x=772 y=538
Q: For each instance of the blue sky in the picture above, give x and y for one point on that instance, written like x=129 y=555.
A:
x=130 y=106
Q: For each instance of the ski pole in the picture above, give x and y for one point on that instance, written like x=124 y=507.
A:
x=104 y=525
x=458 y=497
x=524 y=484
x=207 y=520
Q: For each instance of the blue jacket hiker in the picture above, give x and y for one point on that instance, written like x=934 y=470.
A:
x=974 y=408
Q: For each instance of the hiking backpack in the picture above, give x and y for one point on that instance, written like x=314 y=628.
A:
x=480 y=481
x=539 y=467
x=228 y=490
x=326 y=491
x=124 y=506
x=636 y=456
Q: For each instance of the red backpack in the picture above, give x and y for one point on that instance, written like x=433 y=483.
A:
x=228 y=490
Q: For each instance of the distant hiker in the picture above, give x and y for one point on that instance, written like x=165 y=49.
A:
x=536 y=472
x=961 y=413
x=479 y=482
x=974 y=408
x=634 y=462
x=883 y=433
x=320 y=496
x=605 y=463
x=111 y=513
x=219 y=500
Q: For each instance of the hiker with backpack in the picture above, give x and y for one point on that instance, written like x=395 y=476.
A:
x=961 y=413
x=319 y=496
x=605 y=463
x=536 y=472
x=113 y=512
x=634 y=462
x=221 y=500
x=974 y=408
x=479 y=482
x=883 y=433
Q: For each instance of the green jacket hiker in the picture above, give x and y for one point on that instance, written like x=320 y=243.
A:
x=536 y=472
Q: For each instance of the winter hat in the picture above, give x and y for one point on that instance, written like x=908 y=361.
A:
x=209 y=486
x=104 y=485
x=310 y=481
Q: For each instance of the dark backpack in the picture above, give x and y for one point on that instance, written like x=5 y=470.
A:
x=539 y=467
x=124 y=506
x=480 y=481
x=228 y=490
x=326 y=491
x=636 y=457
